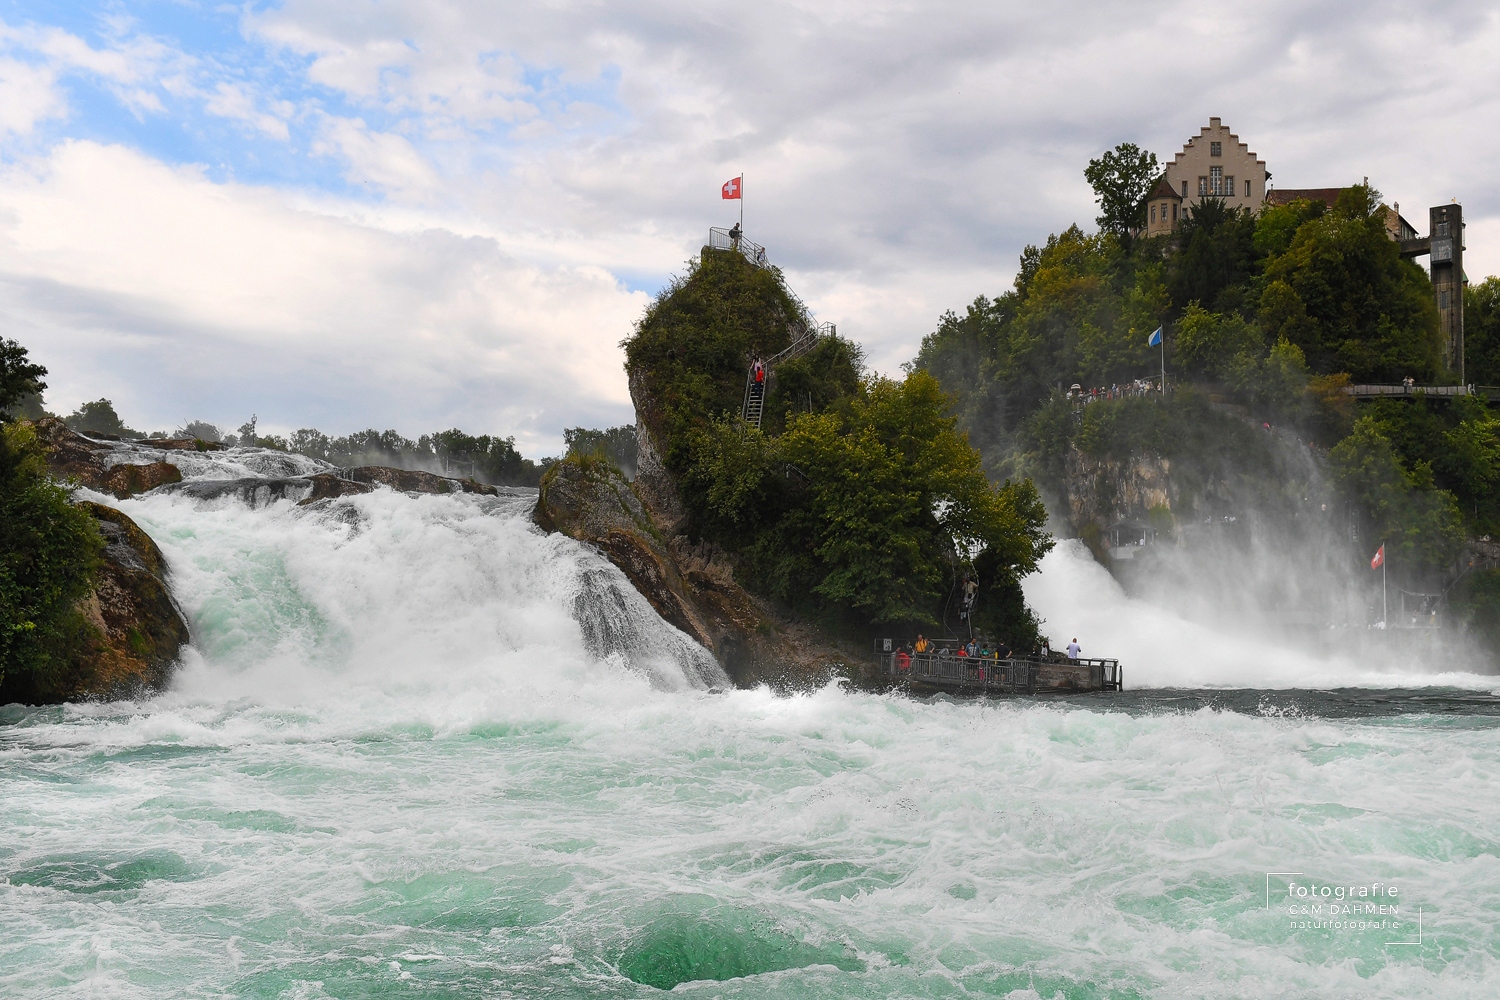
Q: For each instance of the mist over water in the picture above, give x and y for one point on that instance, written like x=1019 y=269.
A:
x=1195 y=645
x=420 y=748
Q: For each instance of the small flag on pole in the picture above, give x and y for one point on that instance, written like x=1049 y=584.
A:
x=1155 y=337
x=1379 y=559
x=732 y=188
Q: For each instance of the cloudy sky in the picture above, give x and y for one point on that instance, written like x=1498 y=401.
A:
x=430 y=213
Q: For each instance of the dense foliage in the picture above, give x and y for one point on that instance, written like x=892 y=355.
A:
x=1275 y=313
x=1482 y=332
x=1266 y=309
x=49 y=551
x=859 y=500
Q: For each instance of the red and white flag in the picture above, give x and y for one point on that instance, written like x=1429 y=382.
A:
x=732 y=187
x=1379 y=559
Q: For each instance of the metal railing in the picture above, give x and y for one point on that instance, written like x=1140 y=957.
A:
x=1489 y=392
x=1013 y=675
x=721 y=239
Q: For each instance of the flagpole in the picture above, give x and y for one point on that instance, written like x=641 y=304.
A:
x=1385 y=610
x=742 y=203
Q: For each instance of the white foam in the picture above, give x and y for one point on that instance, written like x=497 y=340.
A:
x=1160 y=648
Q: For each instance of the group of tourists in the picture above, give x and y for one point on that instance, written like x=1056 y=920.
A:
x=1140 y=387
x=979 y=648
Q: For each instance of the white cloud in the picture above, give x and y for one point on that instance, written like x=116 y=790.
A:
x=898 y=157
x=28 y=94
x=382 y=159
x=891 y=145
x=230 y=100
x=178 y=297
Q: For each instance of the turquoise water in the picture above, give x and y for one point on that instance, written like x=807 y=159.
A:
x=395 y=766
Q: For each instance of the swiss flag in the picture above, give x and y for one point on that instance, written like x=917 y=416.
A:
x=1379 y=559
x=732 y=187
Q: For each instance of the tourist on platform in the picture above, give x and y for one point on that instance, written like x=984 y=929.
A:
x=973 y=648
x=1074 y=649
x=922 y=645
x=903 y=661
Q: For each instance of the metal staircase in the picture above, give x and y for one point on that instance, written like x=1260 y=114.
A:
x=804 y=329
x=807 y=335
x=755 y=402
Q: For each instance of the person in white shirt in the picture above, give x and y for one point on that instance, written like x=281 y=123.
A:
x=1074 y=649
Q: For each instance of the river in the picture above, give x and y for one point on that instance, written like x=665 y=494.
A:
x=421 y=749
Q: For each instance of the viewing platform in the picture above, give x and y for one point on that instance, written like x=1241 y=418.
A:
x=1490 y=393
x=1057 y=674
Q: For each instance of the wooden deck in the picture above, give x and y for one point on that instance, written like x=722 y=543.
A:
x=972 y=675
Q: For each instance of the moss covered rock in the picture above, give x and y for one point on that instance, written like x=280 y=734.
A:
x=139 y=630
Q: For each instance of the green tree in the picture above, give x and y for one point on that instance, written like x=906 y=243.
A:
x=20 y=377
x=1215 y=256
x=1211 y=345
x=98 y=417
x=1276 y=225
x=1419 y=524
x=49 y=551
x=896 y=495
x=1342 y=293
x=1482 y=332
x=1121 y=179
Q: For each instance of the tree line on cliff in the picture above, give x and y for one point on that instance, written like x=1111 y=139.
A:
x=857 y=501
x=49 y=548
x=1274 y=314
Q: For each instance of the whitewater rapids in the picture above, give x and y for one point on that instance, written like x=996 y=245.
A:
x=420 y=748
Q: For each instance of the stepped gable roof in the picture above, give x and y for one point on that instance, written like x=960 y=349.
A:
x=1285 y=196
x=1163 y=189
x=1217 y=123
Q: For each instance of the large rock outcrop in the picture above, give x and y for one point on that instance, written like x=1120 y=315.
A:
x=139 y=630
x=70 y=455
x=691 y=586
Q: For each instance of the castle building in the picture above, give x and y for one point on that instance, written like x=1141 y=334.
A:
x=1212 y=164
x=1215 y=164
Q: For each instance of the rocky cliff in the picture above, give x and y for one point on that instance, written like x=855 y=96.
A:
x=637 y=526
x=139 y=630
x=72 y=456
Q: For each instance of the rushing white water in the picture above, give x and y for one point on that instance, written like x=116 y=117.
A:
x=422 y=749
x=1160 y=647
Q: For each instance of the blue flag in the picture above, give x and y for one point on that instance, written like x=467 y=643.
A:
x=1155 y=338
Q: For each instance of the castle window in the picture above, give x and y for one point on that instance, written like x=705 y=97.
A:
x=1202 y=186
x=1184 y=189
x=1153 y=213
x=1216 y=180
x=1216 y=149
x=1247 y=189
x=1174 y=207
x=1229 y=187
